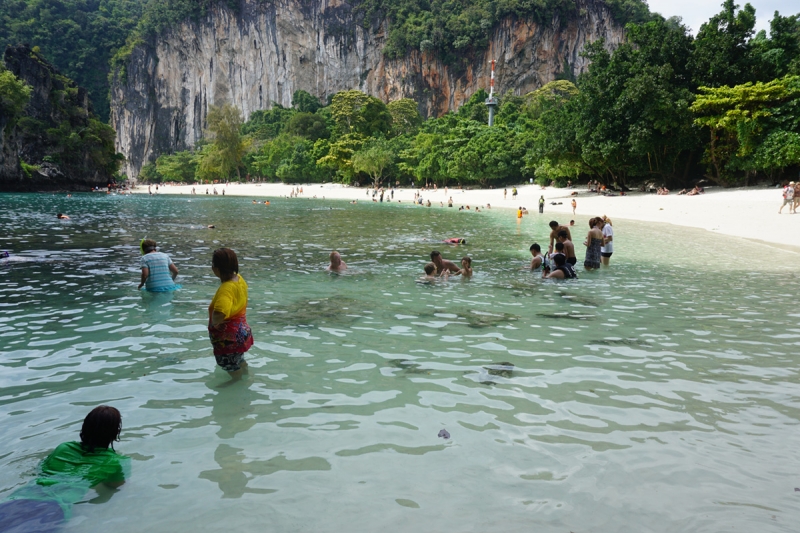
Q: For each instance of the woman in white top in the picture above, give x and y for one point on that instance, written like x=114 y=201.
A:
x=608 y=241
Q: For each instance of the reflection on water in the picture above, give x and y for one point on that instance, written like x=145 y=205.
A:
x=657 y=395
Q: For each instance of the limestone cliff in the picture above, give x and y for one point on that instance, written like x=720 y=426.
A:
x=266 y=51
x=58 y=138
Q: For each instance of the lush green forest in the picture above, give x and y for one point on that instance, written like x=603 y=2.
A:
x=664 y=107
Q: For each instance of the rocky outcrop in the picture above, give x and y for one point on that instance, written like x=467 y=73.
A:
x=266 y=51
x=56 y=144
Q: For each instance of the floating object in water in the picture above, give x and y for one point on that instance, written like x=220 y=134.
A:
x=444 y=434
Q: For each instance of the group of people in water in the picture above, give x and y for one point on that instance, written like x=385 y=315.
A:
x=560 y=260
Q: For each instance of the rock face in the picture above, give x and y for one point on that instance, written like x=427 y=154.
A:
x=266 y=51
x=51 y=135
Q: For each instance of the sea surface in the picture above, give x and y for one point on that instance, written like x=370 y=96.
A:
x=660 y=394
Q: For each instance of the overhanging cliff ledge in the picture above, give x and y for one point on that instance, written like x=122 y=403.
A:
x=264 y=52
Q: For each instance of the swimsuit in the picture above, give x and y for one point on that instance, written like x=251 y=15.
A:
x=593 y=254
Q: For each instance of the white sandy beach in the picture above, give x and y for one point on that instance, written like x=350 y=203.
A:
x=751 y=213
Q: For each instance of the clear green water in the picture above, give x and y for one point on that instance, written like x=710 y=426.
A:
x=658 y=395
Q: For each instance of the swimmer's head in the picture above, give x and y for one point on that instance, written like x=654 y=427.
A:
x=147 y=246
x=225 y=260
x=336 y=259
x=535 y=247
x=101 y=428
x=571 y=222
x=467 y=260
x=562 y=235
x=553 y=224
x=435 y=254
x=430 y=268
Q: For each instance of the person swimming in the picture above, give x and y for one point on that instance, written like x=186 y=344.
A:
x=337 y=264
x=455 y=240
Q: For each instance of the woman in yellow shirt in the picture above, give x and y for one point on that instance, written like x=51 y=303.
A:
x=227 y=324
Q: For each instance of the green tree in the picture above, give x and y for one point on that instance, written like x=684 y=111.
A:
x=722 y=54
x=373 y=158
x=305 y=102
x=179 y=167
x=312 y=126
x=14 y=96
x=340 y=155
x=752 y=127
x=406 y=119
x=356 y=112
x=224 y=155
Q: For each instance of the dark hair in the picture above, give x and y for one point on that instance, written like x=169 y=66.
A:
x=101 y=428
x=59 y=215
x=435 y=253
x=562 y=234
x=535 y=246
x=559 y=246
x=553 y=224
x=148 y=245
x=560 y=259
x=592 y=222
x=225 y=260
x=467 y=259
x=430 y=268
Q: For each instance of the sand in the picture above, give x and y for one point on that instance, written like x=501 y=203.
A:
x=750 y=213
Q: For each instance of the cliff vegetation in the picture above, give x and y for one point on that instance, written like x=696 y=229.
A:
x=664 y=108
x=50 y=137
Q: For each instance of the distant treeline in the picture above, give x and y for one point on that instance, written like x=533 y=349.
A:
x=664 y=108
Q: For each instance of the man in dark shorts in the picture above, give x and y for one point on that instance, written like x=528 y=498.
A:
x=555 y=228
x=443 y=264
x=569 y=248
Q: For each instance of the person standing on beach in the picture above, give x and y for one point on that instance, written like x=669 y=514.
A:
x=337 y=264
x=158 y=270
x=608 y=238
x=443 y=264
x=228 y=330
x=554 y=229
x=593 y=243
x=541 y=204
x=788 y=198
x=514 y=193
x=574 y=205
x=505 y=193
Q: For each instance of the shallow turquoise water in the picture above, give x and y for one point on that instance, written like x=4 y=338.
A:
x=660 y=394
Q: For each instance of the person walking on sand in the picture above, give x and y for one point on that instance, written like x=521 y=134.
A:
x=574 y=205
x=228 y=330
x=541 y=204
x=788 y=198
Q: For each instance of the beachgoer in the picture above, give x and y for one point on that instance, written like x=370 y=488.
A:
x=442 y=265
x=788 y=198
x=158 y=270
x=62 y=216
x=593 y=243
x=524 y=210
x=569 y=247
x=574 y=205
x=608 y=238
x=571 y=223
x=562 y=269
x=450 y=202
x=505 y=193
x=430 y=271
x=230 y=335
x=538 y=258
x=466 y=267
x=519 y=214
x=336 y=262
x=554 y=229
x=541 y=204
x=67 y=474
x=796 y=196
x=455 y=240
x=514 y=193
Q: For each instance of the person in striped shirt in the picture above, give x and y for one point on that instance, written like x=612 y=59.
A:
x=158 y=270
